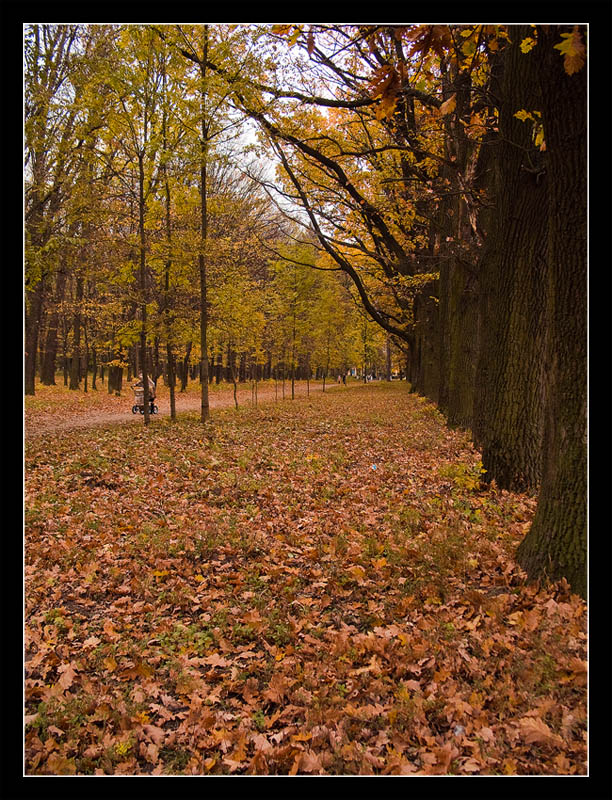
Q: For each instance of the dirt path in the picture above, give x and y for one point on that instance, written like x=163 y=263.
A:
x=184 y=402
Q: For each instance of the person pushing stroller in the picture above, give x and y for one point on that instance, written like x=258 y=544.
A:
x=138 y=389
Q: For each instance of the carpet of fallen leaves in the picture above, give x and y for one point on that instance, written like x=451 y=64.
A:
x=314 y=587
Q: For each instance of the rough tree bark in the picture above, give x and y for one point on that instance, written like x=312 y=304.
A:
x=75 y=366
x=556 y=545
x=513 y=290
x=204 y=405
x=47 y=368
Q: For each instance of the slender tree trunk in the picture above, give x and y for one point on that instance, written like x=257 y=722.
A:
x=185 y=367
x=171 y=380
x=168 y=264
x=556 y=545
x=65 y=351
x=75 y=368
x=86 y=357
x=205 y=407
x=94 y=366
x=143 y=286
x=234 y=379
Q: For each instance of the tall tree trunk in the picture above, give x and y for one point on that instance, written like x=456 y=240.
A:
x=167 y=270
x=47 y=369
x=204 y=406
x=513 y=285
x=185 y=367
x=75 y=368
x=425 y=344
x=94 y=366
x=143 y=285
x=233 y=372
x=458 y=285
x=34 y=307
x=171 y=379
x=556 y=545
x=86 y=359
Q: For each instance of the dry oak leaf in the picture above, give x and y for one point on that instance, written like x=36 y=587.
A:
x=67 y=677
x=250 y=691
x=109 y=630
x=277 y=688
x=215 y=660
x=309 y=761
x=535 y=731
x=60 y=765
x=155 y=734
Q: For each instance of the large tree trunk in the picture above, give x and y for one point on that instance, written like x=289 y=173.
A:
x=462 y=324
x=458 y=285
x=425 y=344
x=513 y=287
x=556 y=544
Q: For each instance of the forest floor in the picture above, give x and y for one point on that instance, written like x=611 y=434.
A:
x=317 y=587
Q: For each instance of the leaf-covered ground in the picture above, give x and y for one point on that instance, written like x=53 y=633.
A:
x=310 y=587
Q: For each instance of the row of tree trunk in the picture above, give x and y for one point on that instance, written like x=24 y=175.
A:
x=501 y=344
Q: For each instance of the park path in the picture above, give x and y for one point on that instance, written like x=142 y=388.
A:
x=184 y=402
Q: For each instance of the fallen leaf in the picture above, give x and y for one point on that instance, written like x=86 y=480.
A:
x=535 y=731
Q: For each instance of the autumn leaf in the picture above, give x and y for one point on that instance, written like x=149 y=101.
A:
x=216 y=660
x=524 y=115
x=60 y=765
x=310 y=42
x=528 y=44
x=573 y=50
x=110 y=663
x=535 y=731
x=109 y=630
x=357 y=572
x=156 y=734
x=448 y=106
x=68 y=674
x=310 y=762
x=277 y=689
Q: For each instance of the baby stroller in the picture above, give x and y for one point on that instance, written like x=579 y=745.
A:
x=138 y=389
